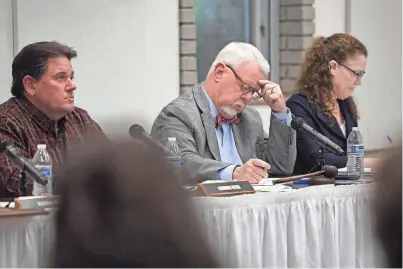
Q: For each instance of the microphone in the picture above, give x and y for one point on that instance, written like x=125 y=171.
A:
x=138 y=132
x=329 y=171
x=8 y=149
x=299 y=124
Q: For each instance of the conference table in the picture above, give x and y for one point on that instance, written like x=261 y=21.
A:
x=318 y=226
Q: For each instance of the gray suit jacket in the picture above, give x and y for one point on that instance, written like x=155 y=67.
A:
x=189 y=119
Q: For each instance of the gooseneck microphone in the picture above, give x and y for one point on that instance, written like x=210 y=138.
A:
x=299 y=124
x=138 y=132
x=11 y=152
x=328 y=171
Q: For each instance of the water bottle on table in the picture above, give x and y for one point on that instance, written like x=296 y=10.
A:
x=355 y=154
x=175 y=159
x=43 y=163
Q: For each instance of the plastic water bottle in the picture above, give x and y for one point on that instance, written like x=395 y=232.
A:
x=43 y=163
x=355 y=154
x=175 y=160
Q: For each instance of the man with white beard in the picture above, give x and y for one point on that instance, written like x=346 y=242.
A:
x=220 y=137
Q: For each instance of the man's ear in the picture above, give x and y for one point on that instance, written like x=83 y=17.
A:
x=29 y=85
x=219 y=71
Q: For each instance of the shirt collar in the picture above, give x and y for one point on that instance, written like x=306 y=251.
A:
x=44 y=121
x=213 y=108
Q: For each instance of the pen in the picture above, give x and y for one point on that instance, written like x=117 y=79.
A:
x=254 y=157
x=389 y=139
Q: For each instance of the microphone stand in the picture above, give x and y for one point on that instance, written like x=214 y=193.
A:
x=320 y=159
x=23 y=182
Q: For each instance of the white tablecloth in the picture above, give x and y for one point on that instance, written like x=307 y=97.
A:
x=321 y=226
x=26 y=241
x=314 y=227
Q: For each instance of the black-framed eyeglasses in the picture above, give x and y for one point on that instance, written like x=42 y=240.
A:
x=358 y=74
x=245 y=87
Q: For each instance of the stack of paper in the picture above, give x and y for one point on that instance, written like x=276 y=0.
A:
x=266 y=185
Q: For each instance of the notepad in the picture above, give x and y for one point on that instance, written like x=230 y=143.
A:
x=266 y=185
x=267 y=181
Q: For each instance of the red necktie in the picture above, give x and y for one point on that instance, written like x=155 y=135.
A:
x=220 y=120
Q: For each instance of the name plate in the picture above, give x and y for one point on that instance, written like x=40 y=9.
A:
x=227 y=188
x=37 y=202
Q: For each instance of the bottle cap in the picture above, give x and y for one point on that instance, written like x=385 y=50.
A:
x=42 y=146
x=171 y=139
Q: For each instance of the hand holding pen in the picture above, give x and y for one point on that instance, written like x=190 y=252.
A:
x=253 y=171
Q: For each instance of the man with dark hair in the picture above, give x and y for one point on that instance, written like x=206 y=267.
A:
x=42 y=110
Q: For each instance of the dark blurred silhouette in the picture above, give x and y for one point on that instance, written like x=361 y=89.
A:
x=388 y=207
x=121 y=207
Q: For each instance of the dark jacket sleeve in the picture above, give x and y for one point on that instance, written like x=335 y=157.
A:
x=307 y=149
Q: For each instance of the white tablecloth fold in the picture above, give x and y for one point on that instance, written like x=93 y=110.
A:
x=321 y=226
x=26 y=241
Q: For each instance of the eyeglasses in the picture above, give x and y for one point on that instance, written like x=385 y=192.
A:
x=358 y=74
x=245 y=87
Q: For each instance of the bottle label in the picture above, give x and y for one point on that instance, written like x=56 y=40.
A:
x=45 y=171
x=356 y=149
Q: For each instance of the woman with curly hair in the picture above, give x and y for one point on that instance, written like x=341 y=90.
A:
x=331 y=70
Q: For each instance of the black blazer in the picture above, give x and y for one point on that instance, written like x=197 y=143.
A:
x=307 y=149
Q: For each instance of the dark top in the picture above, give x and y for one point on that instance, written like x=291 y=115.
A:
x=307 y=149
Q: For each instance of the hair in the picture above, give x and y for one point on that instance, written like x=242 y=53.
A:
x=121 y=206
x=237 y=53
x=387 y=206
x=32 y=61
x=315 y=78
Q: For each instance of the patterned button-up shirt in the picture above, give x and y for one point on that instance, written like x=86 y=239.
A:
x=26 y=127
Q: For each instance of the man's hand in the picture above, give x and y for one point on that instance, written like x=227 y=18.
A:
x=253 y=171
x=273 y=96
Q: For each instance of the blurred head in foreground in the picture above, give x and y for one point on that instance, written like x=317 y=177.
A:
x=388 y=207
x=120 y=208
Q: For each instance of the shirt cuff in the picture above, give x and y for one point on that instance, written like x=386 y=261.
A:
x=225 y=174
x=284 y=117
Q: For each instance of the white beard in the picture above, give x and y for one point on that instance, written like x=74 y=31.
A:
x=231 y=112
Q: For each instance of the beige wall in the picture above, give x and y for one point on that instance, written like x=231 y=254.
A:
x=187 y=37
x=296 y=30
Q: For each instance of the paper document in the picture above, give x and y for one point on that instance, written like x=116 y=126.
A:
x=213 y=181
x=4 y=204
x=266 y=185
x=271 y=188
x=267 y=181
